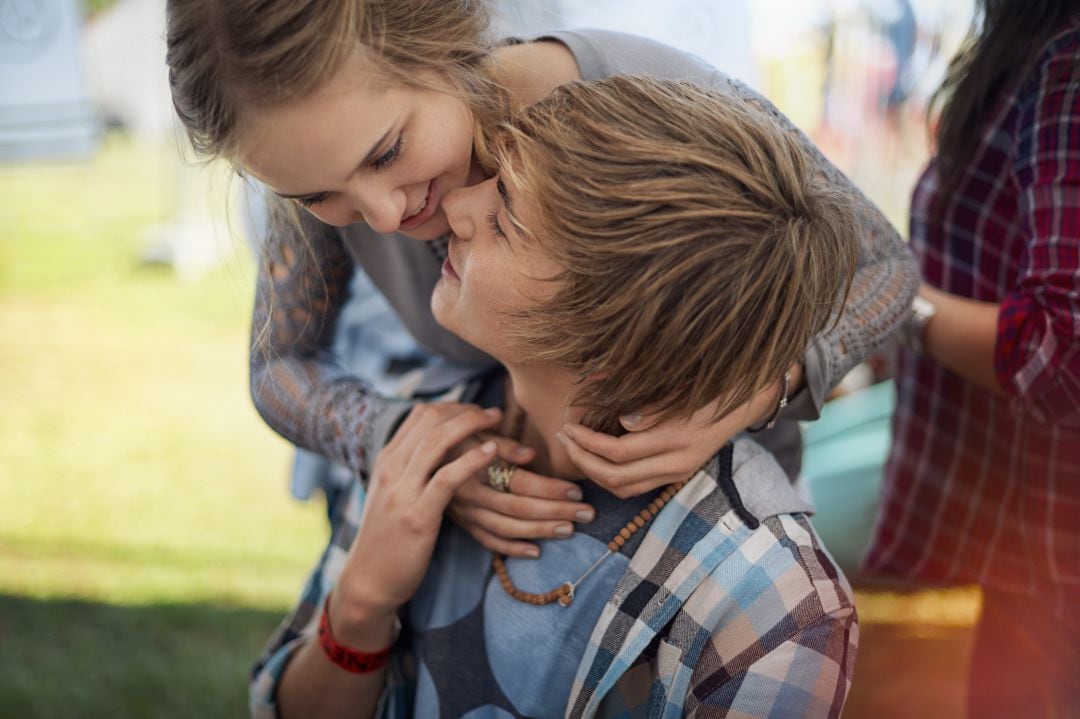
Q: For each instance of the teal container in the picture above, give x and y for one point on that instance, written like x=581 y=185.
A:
x=843 y=464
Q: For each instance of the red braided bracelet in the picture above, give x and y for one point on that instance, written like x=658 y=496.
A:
x=348 y=659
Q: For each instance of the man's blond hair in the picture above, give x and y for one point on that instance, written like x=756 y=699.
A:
x=702 y=251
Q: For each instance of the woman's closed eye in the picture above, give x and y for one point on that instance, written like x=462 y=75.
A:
x=390 y=156
x=312 y=200
x=379 y=163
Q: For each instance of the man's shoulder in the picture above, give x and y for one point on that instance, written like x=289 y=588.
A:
x=775 y=591
x=778 y=553
x=754 y=482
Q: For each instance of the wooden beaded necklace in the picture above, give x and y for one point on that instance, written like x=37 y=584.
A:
x=564 y=593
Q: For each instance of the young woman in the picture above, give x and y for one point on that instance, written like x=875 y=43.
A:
x=631 y=223
x=364 y=113
x=983 y=481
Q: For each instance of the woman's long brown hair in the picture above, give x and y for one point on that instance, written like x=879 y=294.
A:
x=1005 y=39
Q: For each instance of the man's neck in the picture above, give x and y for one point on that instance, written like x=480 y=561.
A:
x=543 y=394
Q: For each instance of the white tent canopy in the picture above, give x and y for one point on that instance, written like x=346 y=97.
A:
x=44 y=106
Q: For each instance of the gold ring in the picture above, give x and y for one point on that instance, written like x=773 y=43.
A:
x=499 y=475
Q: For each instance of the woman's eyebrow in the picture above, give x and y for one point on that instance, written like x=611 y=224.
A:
x=367 y=158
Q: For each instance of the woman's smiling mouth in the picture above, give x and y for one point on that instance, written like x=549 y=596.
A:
x=425 y=211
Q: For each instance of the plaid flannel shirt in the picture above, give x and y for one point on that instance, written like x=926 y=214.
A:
x=729 y=607
x=980 y=488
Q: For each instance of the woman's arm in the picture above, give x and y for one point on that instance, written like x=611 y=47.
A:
x=1026 y=347
x=387 y=558
x=298 y=387
x=961 y=336
x=885 y=281
x=1037 y=355
x=309 y=398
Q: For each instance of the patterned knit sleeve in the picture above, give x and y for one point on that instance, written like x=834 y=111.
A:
x=1037 y=353
x=886 y=279
x=297 y=385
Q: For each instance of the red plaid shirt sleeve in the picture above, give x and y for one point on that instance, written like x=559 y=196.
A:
x=1037 y=354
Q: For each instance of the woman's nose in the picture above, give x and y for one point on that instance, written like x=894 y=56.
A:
x=382 y=209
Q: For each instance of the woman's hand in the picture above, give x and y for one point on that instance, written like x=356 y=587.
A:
x=655 y=453
x=535 y=507
x=408 y=493
x=403 y=509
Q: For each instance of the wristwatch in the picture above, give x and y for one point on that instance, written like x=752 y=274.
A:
x=914 y=326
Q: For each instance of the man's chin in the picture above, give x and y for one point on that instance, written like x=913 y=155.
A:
x=439 y=308
x=448 y=319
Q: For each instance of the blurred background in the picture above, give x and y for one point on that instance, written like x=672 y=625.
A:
x=148 y=540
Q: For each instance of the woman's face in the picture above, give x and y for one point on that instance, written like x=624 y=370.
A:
x=491 y=269
x=361 y=150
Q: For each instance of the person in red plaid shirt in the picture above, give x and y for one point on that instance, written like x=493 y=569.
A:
x=983 y=480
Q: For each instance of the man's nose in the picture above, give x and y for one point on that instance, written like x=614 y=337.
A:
x=458 y=207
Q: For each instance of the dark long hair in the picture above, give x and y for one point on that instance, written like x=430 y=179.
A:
x=1005 y=39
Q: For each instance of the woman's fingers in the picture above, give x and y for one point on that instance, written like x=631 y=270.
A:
x=640 y=421
x=421 y=419
x=530 y=484
x=500 y=520
x=430 y=441
x=521 y=506
x=445 y=483
x=620 y=450
x=625 y=479
x=500 y=545
x=504 y=527
x=510 y=450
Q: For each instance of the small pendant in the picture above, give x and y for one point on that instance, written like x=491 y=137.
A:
x=568 y=598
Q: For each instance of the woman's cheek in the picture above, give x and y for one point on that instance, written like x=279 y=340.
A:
x=338 y=216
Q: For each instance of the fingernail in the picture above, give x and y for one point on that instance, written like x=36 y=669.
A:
x=488 y=448
x=561 y=437
x=574 y=495
x=631 y=420
x=493 y=411
x=564 y=530
x=522 y=452
x=533 y=552
x=584 y=515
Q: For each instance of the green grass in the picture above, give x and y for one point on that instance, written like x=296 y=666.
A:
x=148 y=546
x=69 y=658
x=134 y=475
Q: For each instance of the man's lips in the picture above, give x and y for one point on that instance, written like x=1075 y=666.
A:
x=432 y=199
x=448 y=269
